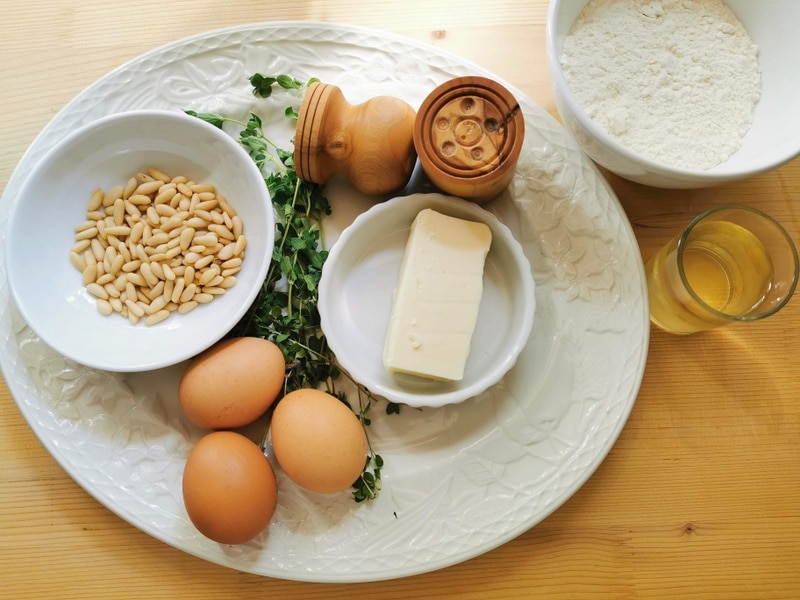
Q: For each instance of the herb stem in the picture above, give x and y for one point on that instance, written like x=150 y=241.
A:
x=286 y=308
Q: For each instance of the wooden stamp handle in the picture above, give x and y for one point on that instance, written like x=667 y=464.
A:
x=372 y=143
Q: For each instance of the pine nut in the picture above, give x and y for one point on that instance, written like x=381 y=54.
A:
x=165 y=210
x=156 y=317
x=158 y=174
x=185 y=307
x=168 y=272
x=204 y=262
x=157 y=238
x=205 y=204
x=208 y=239
x=97 y=290
x=80 y=246
x=105 y=279
x=188 y=293
x=97 y=250
x=141 y=254
x=177 y=289
x=169 y=285
x=132 y=209
x=232 y=263
x=188 y=274
x=196 y=222
x=104 y=306
x=141 y=177
x=85 y=225
x=112 y=194
x=226 y=208
x=139 y=200
x=148 y=187
x=86 y=234
x=77 y=261
x=215 y=281
x=89 y=274
x=156 y=305
x=120 y=282
x=226 y=218
x=227 y=252
x=96 y=199
x=148 y=274
x=129 y=188
x=207 y=275
x=222 y=231
x=231 y=271
x=134 y=308
x=156 y=291
x=214 y=291
x=113 y=292
x=165 y=194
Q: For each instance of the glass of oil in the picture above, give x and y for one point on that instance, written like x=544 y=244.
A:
x=732 y=263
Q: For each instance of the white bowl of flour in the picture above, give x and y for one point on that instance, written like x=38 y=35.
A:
x=679 y=93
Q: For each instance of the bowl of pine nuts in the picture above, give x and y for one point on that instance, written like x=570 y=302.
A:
x=139 y=240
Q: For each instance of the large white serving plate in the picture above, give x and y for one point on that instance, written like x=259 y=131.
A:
x=459 y=480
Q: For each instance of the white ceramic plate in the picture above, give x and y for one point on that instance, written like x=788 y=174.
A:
x=355 y=301
x=459 y=480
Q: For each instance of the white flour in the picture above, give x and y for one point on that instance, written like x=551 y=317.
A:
x=675 y=80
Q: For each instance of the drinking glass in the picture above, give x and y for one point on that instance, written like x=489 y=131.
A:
x=730 y=264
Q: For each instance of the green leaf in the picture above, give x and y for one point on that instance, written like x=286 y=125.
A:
x=262 y=86
x=392 y=408
x=215 y=119
x=289 y=83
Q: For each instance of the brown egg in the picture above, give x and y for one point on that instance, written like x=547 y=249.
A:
x=229 y=488
x=232 y=383
x=318 y=441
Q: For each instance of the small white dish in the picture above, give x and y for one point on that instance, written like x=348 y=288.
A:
x=48 y=290
x=355 y=301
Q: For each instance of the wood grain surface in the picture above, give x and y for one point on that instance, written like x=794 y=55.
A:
x=697 y=499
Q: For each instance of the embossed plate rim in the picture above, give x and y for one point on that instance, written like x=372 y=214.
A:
x=585 y=207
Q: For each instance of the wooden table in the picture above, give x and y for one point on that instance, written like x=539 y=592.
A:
x=699 y=496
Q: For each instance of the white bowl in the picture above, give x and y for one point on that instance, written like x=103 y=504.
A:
x=48 y=290
x=355 y=301
x=774 y=137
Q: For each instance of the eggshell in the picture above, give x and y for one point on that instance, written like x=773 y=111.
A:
x=232 y=383
x=318 y=441
x=229 y=488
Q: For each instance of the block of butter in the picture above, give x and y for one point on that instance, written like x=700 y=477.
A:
x=437 y=296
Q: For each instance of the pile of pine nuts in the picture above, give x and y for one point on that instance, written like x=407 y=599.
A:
x=157 y=245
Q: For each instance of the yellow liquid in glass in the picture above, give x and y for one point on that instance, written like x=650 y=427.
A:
x=727 y=268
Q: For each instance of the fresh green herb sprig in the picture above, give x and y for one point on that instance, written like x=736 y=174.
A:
x=285 y=310
x=368 y=484
x=263 y=85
